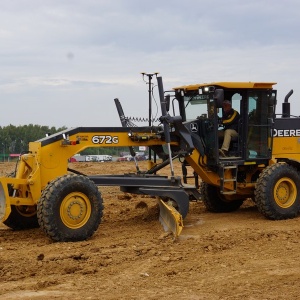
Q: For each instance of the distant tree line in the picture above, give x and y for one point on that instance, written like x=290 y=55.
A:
x=15 y=140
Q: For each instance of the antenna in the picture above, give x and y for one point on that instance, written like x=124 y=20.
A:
x=149 y=82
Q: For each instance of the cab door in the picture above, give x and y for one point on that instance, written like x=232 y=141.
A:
x=260 y=115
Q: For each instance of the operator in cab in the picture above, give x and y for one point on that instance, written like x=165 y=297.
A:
x=229 y=120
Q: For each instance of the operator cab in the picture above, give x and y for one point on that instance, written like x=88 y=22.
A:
x=201 y=109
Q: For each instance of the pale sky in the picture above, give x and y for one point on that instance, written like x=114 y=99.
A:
x=64 y=61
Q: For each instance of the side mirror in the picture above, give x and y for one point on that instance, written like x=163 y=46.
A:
x=273 y=100
x=219 y=97
x=167 y=100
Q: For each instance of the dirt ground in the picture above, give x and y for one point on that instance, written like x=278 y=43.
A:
x=239 y=255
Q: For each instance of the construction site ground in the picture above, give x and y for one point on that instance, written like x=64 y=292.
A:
x=239 y=255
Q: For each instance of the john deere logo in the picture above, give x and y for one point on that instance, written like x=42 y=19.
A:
x=194 y=127
x=286 y=132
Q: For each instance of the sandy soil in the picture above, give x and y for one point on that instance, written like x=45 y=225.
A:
x=240 y=255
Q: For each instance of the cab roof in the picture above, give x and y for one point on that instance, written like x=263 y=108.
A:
x=228 y=85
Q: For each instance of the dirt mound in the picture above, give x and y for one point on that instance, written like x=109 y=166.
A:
x=240 y=255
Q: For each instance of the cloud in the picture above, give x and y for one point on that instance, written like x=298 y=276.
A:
x=70 y=55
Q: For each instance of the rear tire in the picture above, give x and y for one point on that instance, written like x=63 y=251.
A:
x=214 y=201
x=70 y=208
x=276 y=193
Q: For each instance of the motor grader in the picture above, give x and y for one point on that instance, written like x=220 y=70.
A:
x=263 y=163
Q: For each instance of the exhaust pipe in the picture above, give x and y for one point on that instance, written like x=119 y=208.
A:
x=286 y=107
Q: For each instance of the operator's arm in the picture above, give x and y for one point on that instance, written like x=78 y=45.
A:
x=230 y=120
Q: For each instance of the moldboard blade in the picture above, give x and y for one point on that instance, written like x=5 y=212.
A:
x=170 y=218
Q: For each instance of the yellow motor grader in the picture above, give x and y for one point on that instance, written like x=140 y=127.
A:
x=262 y=164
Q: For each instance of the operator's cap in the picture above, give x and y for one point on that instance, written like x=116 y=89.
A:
x=226 y=102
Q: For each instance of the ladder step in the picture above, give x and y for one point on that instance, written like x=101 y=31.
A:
x=229 y=167
x=229 y=180
x=233 y=179
x=229 y=193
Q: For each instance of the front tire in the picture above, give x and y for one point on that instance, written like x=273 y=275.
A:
x=70 y=208
x=21 y=216
x=214 y=201
x=276 y=193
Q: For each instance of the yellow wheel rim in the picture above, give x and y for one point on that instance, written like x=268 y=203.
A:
x=75 y=210
x=285 y=192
